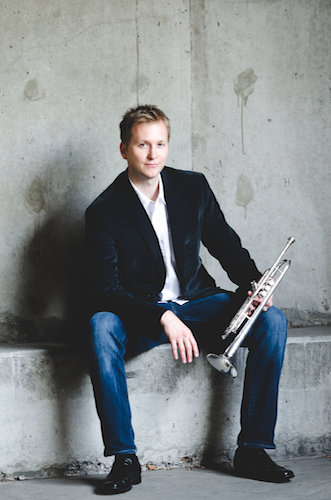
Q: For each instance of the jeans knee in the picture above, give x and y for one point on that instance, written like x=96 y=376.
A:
x=270 y=328
x=277 y=319
x=274 y=324
x=103 y=319
x=107 y=331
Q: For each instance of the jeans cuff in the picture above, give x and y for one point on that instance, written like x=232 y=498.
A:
x=128 y=451
x=266 y=446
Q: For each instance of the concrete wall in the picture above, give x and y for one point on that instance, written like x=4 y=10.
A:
x=247 y=86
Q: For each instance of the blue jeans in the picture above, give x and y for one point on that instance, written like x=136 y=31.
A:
x=111 y=340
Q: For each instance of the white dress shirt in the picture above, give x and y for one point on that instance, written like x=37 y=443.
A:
x=158 y=215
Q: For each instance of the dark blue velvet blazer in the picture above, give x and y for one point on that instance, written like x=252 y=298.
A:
x=125 y=266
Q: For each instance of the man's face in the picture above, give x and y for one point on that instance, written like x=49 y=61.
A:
x=147 y=150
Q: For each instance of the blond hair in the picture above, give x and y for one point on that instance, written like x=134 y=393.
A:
x=141 y=114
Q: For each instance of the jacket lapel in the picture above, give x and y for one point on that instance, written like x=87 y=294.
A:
x=174 y=194
x=140 y=219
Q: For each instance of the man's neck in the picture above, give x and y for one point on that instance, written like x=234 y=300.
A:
x=149 y=187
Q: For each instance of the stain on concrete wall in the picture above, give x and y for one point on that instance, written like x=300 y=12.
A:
x=32 y=91
x=35 y=196
x=245 y=192
x=244 y=87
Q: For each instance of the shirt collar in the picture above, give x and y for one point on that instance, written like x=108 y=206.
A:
x=147 y=201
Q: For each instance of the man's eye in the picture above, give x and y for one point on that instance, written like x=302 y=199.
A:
x=142 y=145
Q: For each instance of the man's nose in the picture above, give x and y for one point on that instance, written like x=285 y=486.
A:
x=152 y=151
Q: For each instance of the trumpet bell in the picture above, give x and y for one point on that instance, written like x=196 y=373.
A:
x=222 y=364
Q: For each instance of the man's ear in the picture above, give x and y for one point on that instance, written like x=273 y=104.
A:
x=123 y=150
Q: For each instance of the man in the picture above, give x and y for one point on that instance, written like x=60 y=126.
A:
x=148 y=286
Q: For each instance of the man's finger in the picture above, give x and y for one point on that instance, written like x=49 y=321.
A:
x=174 y=349
x=195 y=347
x=188 y=348
x=182 y=351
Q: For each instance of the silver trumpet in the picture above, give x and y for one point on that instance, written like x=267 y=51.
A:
x=242 y=322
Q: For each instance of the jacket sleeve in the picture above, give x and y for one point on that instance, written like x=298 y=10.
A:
x=224 y=244
x=106 y=292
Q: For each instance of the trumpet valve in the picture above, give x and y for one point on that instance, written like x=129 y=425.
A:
x=265 y=290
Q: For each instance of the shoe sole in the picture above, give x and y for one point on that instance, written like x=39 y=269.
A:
x=248 y=475
x=102 y=490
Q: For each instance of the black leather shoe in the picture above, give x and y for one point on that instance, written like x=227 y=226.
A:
x=125 y=472
x=255 y=463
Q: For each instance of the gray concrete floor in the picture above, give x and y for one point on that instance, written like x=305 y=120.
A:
x=313 y=480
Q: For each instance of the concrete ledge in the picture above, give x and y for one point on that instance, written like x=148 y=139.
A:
x=48 y=421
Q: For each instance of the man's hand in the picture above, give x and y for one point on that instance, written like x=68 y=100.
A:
x=180 y=336
x=257 y=301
